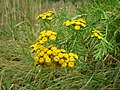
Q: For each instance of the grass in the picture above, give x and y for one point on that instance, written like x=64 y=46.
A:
x=98 y=67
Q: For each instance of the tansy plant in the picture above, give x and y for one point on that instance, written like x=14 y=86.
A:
x=49 y=55
x=101 y=45
x=98 y=44
x=46 y=52
x=75 y=26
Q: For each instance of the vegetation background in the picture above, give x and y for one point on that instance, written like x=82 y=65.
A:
x=97 y=68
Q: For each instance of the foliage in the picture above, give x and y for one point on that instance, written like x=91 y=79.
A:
x=96 y=43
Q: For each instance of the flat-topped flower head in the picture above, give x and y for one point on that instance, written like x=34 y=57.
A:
x=46 y=15
x=97 y=34
x=76 y=23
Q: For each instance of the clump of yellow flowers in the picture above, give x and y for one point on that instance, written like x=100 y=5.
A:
x=50 y=56
x=96 y=33
x=76 y=23
x=47 y=15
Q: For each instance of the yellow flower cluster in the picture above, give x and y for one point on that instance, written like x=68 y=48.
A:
x=77 y=23
x=49 y=55
x=47 y=15
x=44 y=35
x=96 y=33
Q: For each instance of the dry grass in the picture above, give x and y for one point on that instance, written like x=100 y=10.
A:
x=18 y=30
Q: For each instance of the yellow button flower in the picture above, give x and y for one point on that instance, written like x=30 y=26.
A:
x=58 y=51
x=45 y=56
x=60 y=55
x=53 y=48
x=99 y=37
x=36 y=58
x=61 y=61
x=71 y=59
x=48 y=14
x=82 y=20
x=71 y=54
x=44 y=39
x=44 y=17
x=49 y=18
x=71 y=64
x=56 y=58
x=47 y=60
x=54 y=53
x=67 y=23
x=41 y=60
x=41 y=47
x=49 y=52
x=48 y=33
x=53 y=33
x=73 y=22
x=45 y=50
x=43 y=35
x=41 y=42
x=39 y=16
x=77 y=23
x=64 y=64
x=43 y=32
x=66 y=55
x=96 y=34
x=32 y=51
x=41 y=54
x=67 y=60
x=62 y=50
x=39 y=38
x=52 y=37
x=77 y=27
x=82 y=24
x=96 y=31
x=32 y=46
x=37 y=52
x=75 y=56
x=50 y=46
x=92 y=35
